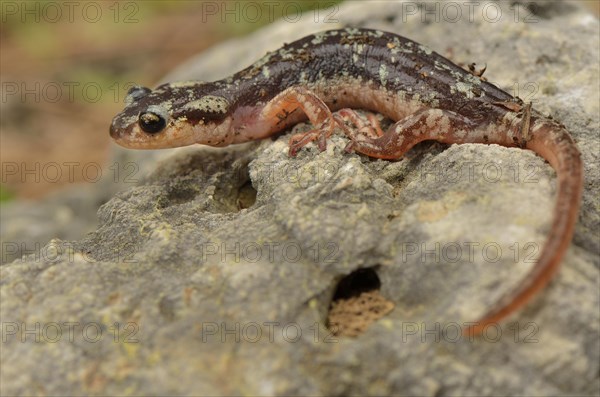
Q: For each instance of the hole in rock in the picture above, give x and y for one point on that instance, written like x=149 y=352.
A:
x=357 y=303
x=357 y=282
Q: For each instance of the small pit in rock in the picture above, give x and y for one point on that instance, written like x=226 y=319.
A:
x=357 y=303
x=246 y=196
x=179 y=194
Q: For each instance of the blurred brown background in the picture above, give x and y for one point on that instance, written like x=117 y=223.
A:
x=65 y=69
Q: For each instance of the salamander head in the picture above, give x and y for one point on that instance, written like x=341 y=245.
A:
x=172 y=115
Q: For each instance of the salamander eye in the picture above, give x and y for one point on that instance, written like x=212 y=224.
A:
x=151 y=122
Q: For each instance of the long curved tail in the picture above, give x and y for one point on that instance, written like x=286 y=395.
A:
x=551 y=141
x=545 y=137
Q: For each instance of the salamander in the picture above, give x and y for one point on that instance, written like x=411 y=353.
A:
x=323 y=78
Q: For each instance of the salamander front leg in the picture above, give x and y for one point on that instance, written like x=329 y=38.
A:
x=316 y=110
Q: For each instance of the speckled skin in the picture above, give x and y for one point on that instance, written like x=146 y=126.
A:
x=428 y=96
x=362 y=68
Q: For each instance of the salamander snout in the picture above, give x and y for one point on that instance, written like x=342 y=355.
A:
x=145 y=118
x=172 y=115
x=114 y=131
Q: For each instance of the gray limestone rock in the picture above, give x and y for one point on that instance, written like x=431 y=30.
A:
x=214 y=274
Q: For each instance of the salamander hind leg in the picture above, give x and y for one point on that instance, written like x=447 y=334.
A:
x=369 y=128
x=431 y=124
x=316 y=110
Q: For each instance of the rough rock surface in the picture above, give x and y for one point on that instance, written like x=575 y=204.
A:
x=214 y=275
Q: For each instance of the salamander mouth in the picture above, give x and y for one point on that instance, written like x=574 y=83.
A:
x=122 y=138
x=131 y=136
